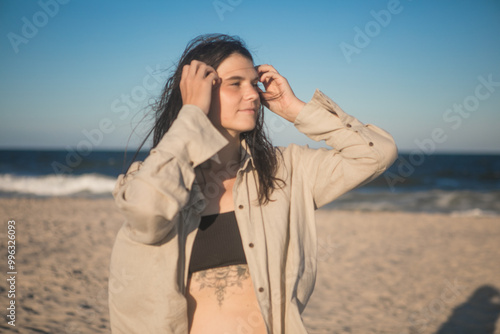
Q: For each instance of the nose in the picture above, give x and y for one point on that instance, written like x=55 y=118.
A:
x=251 y=93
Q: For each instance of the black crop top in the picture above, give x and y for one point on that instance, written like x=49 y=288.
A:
x=217 y=243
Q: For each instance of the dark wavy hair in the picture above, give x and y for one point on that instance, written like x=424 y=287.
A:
x=213 y=49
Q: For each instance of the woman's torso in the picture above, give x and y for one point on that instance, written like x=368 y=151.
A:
x=222 y=300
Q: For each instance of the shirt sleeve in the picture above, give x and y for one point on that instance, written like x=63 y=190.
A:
x=359 y=153
x=153 y=192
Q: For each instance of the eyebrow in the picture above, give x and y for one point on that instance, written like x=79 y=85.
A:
x=237 y=77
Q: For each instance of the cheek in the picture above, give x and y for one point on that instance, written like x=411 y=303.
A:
x=227 y=96
x=224 y=104
x=228 y=102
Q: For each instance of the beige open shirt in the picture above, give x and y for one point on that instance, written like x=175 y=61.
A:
x=162 y=205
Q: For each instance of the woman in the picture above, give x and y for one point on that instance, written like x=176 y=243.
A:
x=220 y=234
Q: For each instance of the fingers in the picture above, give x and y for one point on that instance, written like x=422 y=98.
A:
x=197 y=81
x=265 y=68
x=278 y=96
x=267 y=73
x=268 y=76
x=199 y=70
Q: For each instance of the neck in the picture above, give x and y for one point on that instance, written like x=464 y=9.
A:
x=228 y=158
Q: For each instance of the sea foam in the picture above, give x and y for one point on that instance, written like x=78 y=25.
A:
x=57 y=185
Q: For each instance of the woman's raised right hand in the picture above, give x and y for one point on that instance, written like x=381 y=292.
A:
x=196 y=84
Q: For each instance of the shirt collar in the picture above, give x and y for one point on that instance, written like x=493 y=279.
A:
x=197 y=201
x=246 y=155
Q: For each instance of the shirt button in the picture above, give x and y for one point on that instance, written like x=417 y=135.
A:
x=191 y=163
x=348 y=125
x=261 y=289
x=370 y=143
x=240 y=206
x=250 y=245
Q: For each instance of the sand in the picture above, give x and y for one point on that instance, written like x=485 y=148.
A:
x=379 y=272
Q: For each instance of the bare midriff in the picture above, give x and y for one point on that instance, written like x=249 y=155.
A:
x=222 y=300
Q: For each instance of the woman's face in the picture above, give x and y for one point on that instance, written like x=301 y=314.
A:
x=236 y=101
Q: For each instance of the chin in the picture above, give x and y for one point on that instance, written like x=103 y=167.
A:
x=244 y=127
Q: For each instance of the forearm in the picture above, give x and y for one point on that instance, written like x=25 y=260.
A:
x=323 y=119
x=293 y=110
x=358 y=154
x=153 y=192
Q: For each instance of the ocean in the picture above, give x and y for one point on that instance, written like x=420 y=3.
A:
x=455 y=184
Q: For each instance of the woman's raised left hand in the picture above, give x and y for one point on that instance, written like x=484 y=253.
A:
x=279 y=96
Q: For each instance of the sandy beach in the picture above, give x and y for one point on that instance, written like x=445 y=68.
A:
x=378 y=272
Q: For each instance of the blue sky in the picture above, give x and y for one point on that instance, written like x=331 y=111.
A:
x=76 y=73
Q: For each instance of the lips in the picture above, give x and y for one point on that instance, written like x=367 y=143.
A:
x=248 y=110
